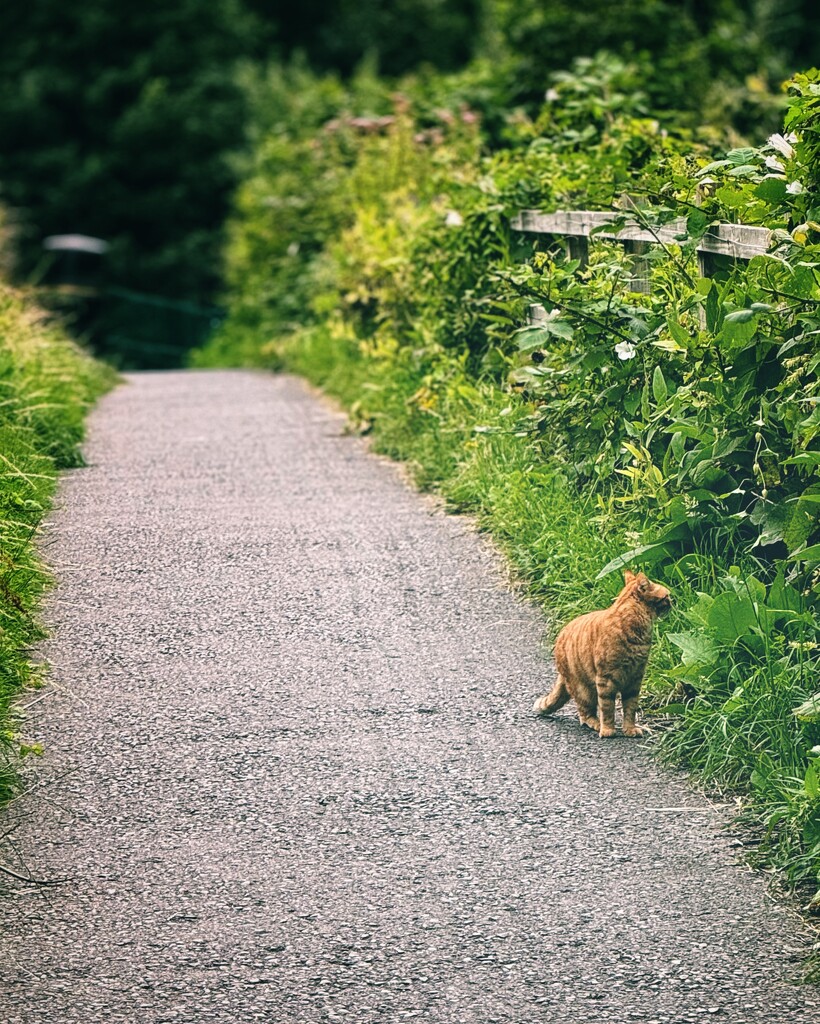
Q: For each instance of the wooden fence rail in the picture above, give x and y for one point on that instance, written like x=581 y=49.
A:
x=735 y=241
x=739 y=241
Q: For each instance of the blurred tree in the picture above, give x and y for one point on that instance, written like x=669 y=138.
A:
x=712 y=58
x=399 y=34
x=675 y=34
x=117 y=121
x=793 y=31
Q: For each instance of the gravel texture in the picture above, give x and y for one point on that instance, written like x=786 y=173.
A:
x=291 y=774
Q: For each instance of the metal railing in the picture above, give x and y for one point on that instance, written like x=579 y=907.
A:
x=151 y=331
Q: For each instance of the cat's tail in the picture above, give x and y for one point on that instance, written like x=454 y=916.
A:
x=552 y=701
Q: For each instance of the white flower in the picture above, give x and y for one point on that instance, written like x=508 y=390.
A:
x=782 y=145
x=453 y=219
x=774 y=164
x=625 y=350
x=551 y=95
x=794 y=188
x=293 y=249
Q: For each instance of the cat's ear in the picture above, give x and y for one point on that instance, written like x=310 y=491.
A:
x=629 y=577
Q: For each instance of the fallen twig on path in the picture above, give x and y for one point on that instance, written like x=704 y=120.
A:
x=32 y=881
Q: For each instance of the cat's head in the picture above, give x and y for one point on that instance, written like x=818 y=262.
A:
x=654 y=596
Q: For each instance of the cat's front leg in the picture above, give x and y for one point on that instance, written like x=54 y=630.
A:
x=607 y=690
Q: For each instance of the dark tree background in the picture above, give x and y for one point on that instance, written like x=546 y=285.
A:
x=400 y=34
x=691 y=44
x=116 y=120
x=123 y=120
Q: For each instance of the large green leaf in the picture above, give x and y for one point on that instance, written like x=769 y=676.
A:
x=811 y=783
x=678 y=332
x=649 y=553
x=528 y=338
x=538 y=335
x=731 y=616
x=739 y=326
x=645 y=552
x=771 y=190
x=809 y=711
x=725 y=445
x=660 y=391
x=742 y=155
x=739 y=316
x=713 y=310
x=803 y=519
x=806 y=459
x=809 y=554
x=697 y=648
x=783 y=596
x=802 y=282
x=773 y=519
x=696 y=223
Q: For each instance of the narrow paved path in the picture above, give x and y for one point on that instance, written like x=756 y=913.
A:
x=291 y=774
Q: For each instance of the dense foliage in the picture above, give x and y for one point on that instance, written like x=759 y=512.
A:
x=47 y=386
x=372 y=249
x=126 y=122
x=712 y=61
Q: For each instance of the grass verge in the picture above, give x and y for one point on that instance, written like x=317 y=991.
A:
x=47 y=384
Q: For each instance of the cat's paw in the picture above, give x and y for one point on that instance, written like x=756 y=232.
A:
x=591 y=723
x=607 y=732
x=634 y=731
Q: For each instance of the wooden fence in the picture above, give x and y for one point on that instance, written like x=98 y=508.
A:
x=735 y=241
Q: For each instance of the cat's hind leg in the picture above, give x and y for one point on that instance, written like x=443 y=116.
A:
x=586 y=701
x=552 y=701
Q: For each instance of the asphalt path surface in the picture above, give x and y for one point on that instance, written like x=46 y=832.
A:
x=291 y=773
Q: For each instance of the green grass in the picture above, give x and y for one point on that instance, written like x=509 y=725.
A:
x=47 y=385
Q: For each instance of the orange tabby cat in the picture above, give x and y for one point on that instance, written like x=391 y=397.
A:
x=604 y=653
